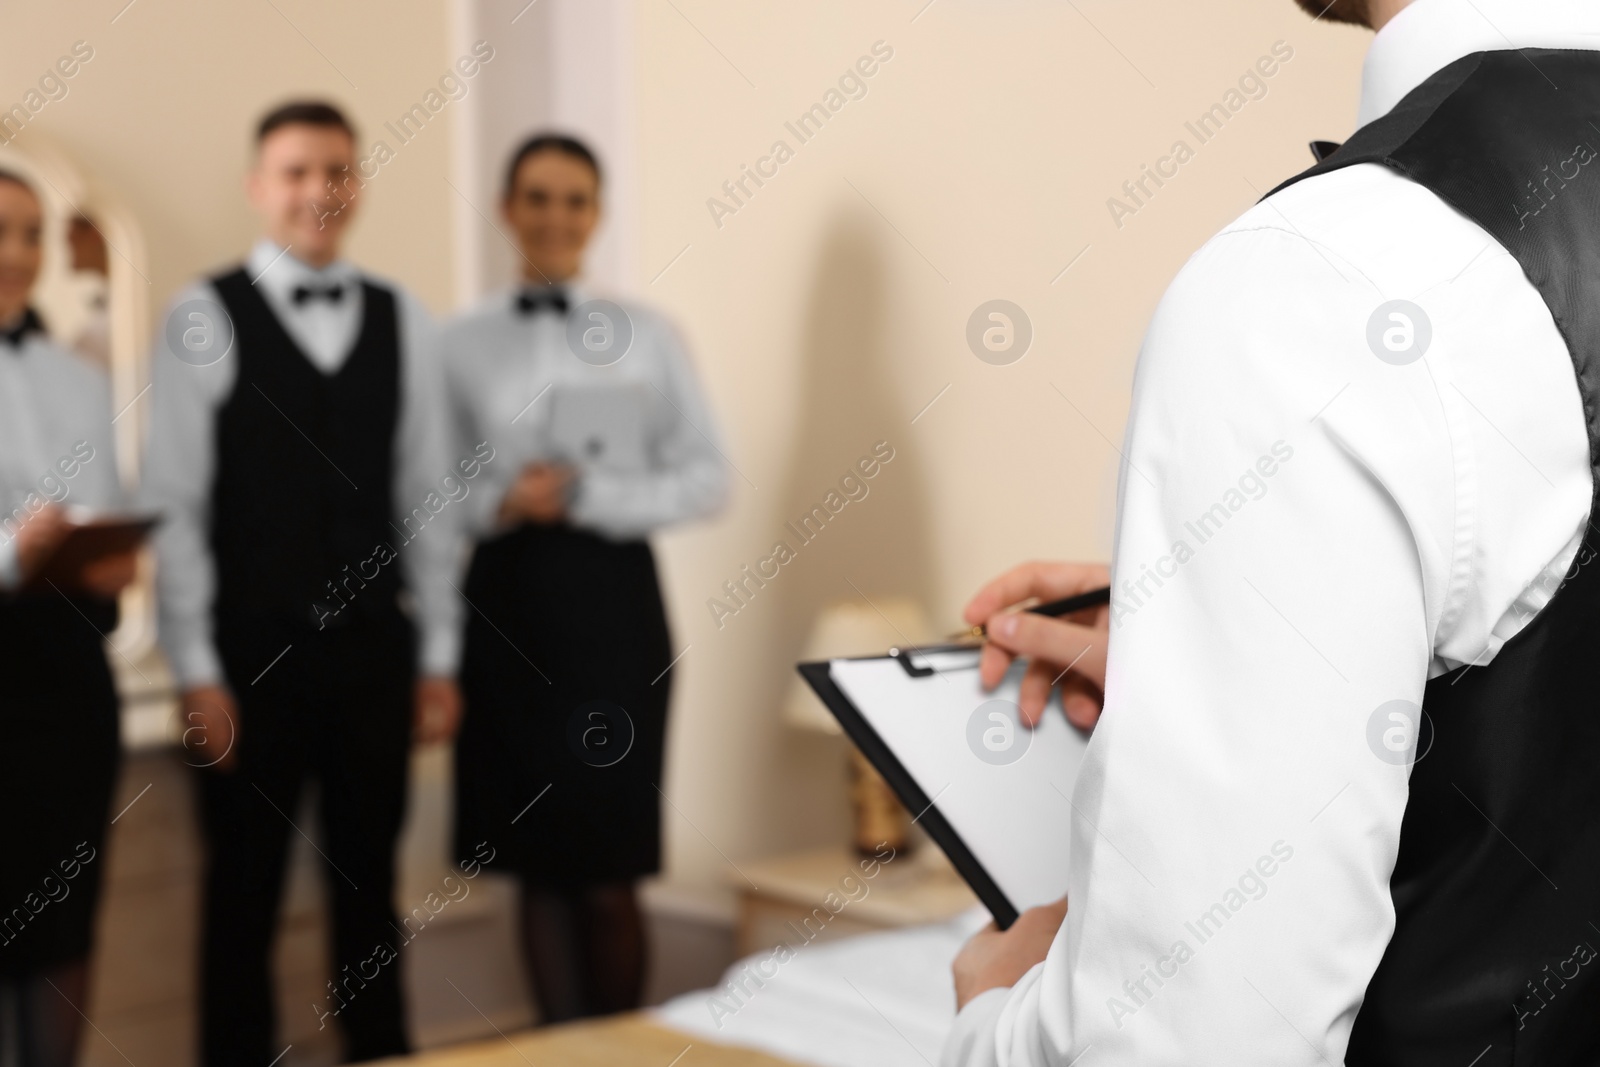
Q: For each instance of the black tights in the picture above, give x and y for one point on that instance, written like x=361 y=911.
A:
x=44 y=1007
x=584 y=948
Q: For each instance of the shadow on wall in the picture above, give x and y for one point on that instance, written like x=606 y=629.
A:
x=876 y=545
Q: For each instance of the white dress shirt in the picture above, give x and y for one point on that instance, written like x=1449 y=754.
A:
x=503 y=367
x=55 y=410
x=180 y=461
x=1407 y=519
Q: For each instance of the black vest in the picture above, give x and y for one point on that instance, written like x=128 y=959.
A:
x=1497 y=884
x=303 y=491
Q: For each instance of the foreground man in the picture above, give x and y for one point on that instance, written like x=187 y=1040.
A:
x=1359 y=481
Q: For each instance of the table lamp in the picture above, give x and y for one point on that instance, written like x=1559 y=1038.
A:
x=859 y=628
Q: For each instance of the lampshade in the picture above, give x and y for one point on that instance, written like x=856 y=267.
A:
x=852 y=628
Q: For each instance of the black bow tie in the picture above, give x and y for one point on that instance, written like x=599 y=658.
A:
x=30 y=323
x=304 y=294
x=530 y=301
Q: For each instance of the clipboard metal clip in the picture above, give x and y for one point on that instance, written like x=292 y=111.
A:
x=903 y=656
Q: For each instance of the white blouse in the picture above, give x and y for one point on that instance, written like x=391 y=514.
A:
x=503 y=367
x=57 y=443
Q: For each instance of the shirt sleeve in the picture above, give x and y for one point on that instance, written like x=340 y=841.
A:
x=1281 y=553
x=176 y=482
x=690 y=479
x=426 y=480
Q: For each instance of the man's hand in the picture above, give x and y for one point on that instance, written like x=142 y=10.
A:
x=211 y=727
x=438 y=710
x=1069 y=651
x=996 y=959
x=109 y=575
x=39 y=537
x=538 y=495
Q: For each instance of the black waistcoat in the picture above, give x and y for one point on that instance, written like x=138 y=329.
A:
x=1497 y=884
x=303 y=490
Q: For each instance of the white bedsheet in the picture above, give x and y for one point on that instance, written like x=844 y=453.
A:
x=877 y=1000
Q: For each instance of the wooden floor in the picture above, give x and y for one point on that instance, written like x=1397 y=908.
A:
x=463 y=977
x=623 y=1039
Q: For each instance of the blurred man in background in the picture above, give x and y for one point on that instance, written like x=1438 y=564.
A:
x=299 y=439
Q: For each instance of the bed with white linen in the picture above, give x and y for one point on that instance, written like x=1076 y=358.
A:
x=877 y=1000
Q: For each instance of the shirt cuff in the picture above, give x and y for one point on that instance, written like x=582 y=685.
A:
x=196 y=664
x=10 y=566
x=971 y=1041
x=600 y=503
x=440 y=653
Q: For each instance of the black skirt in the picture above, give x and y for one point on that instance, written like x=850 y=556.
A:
x=566 y=684
x=58 y=764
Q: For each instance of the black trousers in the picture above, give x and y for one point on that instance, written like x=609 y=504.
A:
x=334 y=710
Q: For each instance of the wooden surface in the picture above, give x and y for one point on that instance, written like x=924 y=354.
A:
x=915 y=887
x=620 y=1040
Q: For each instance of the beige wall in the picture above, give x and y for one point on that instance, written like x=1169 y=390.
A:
x=162 y=116
x=987 y=148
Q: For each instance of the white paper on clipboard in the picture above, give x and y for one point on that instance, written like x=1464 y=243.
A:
x=1004 y=789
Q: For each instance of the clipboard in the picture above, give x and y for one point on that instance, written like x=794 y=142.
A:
x=89 y=538
x=949 y=751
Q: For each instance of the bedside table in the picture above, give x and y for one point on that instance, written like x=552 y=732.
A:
x=910 y=888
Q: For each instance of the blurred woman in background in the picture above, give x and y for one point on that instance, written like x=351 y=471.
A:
x=600 y=436
x=59 y=709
